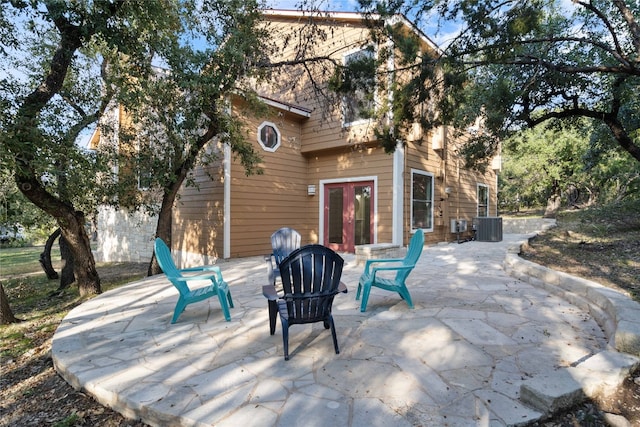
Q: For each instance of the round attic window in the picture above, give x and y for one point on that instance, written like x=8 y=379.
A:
x=269 y=136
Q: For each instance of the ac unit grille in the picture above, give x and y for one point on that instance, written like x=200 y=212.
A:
x=488 y=229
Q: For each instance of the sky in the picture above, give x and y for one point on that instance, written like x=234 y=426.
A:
x=334 y=5
x=440 y=36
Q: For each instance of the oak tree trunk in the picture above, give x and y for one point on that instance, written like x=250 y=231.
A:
x=553 y=206
x=45 y=256
x=67 y=277
x=72 y=229
x=163 y=228
x=6 y=314
x=163 y=231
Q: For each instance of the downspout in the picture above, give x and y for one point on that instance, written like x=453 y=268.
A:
x=226 y=251
x=398 y=195
x=226 y=222
x=444 y=196
x=458 y=189
x=397 y=198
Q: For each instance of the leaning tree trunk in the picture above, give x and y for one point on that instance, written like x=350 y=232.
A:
x=24 y=134
x=163 y=228
x=72 y=228
x=67 y=277
x=163 y=231
x=6 y=314
x=45 y=256
x=553 y=206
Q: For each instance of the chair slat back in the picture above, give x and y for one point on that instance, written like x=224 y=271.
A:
x=413 y=254
x=283 y=242
x=163 y=255
x=310 y=278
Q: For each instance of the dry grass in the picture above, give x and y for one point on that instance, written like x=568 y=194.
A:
x=31 y=392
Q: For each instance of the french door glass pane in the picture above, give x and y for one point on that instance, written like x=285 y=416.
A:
x=362 y=208
x=335 y=215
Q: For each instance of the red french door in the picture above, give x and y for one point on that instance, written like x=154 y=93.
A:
x=348 y=215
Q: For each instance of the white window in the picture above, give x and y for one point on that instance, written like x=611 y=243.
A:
x=269 y=136
x=483 y=200
x=421 y=200
x=360 y=84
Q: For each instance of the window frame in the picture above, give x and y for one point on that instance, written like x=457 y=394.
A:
x=480 y=205
x=278 y=136
x=430 y=202
x=359 y=120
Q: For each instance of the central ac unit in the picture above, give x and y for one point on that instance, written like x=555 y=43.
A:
x=458 y=225
x=489 y=229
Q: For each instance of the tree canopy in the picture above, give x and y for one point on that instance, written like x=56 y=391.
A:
x=516 y=64
x=66 y=63
x=542 y=163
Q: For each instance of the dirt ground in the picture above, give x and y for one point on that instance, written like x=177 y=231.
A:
x=32 y=394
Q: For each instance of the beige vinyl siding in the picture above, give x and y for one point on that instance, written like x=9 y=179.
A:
x=448 y=171
x=199 y=213
x=260 y=204
x=323 y=130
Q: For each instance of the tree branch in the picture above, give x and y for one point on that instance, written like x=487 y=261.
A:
x=628 y=66
x=605 y=21
x=634 y=27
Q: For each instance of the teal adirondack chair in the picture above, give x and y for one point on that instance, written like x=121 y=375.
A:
x=402 y=267
x=187 y=296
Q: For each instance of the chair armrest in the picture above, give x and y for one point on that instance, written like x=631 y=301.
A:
x=270 y=261
x=269 y=292
x=369 y=262
x=395 y=268
x=213 y=268
x=342 y=288
x=196 y=277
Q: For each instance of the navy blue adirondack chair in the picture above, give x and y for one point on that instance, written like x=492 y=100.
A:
x=310 y=280
x=218 y=286
x=402 y=266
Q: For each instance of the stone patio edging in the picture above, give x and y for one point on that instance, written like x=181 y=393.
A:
x=614 y=311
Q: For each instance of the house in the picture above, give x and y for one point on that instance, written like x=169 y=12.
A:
x=325 y=175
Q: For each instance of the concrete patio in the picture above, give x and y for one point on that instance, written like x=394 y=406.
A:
x=491 y=342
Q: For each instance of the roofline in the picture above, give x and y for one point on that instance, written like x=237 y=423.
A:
x=285 y=106
x=419 y=32
x=296 y=13
x=352 y=16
